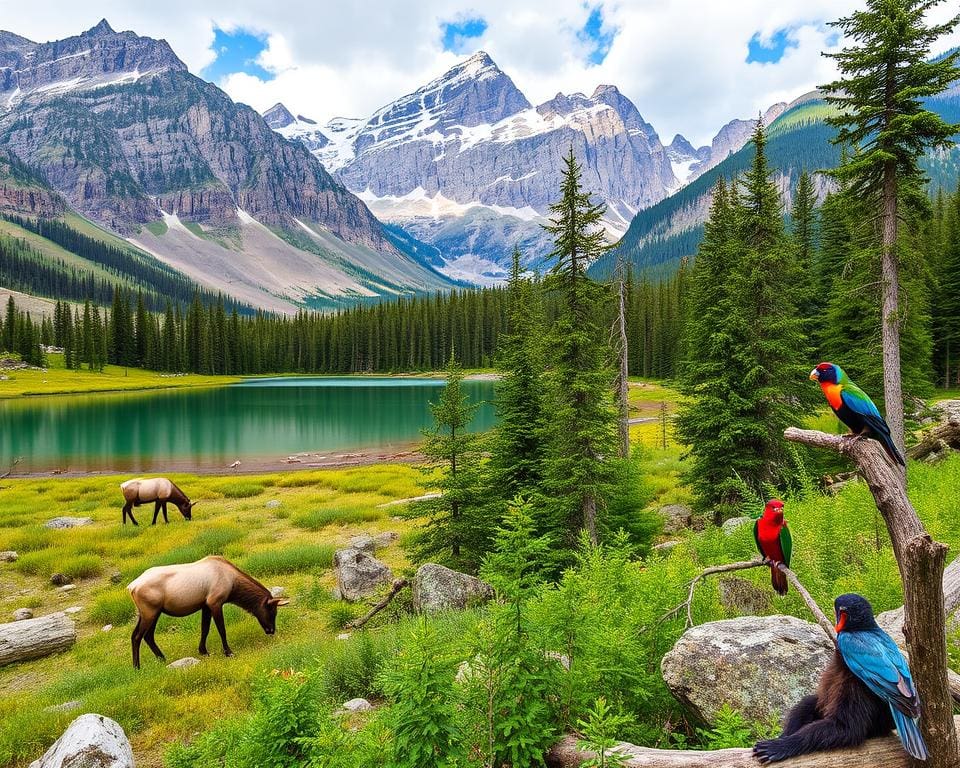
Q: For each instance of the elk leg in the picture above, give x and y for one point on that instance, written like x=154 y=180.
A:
x=156 y=512
x=135 y=639
x=148 y=636
x=165 y=518
x=128 y=510
x=205 y=616
x=217 y=611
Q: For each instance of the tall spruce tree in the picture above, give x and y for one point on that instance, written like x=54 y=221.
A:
x=459 y=529
x=748 y=353
x=946 y=297
x=885 y=78
x=515 y=466
x=580 y=435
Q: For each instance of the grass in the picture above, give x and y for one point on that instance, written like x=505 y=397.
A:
x=57 y=380
x=158 y=706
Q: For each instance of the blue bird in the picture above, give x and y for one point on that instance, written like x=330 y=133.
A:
x=875 y=659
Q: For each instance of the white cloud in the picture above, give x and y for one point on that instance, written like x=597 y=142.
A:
x=683 y=62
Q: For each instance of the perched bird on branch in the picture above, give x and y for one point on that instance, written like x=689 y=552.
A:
x=865 y=691
x=854 y=407
x=774 y=542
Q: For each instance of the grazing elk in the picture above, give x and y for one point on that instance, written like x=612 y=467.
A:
x=180 y=590
x=158 y=490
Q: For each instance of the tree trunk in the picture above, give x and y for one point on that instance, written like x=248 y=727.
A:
x=885 y=752
x=920 y=561
x=590 y=517
x=33 y=638
x=622 y=385
x=890 y=311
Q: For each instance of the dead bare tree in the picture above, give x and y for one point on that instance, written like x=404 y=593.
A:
x=13 y=465
x=397 y=585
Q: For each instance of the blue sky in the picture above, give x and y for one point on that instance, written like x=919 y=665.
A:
x=461 y=36
x=236 y=51
x=769 y=51
x=596 y=36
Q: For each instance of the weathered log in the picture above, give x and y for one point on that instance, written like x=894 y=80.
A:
x=937 y=440
x=886 y=752
x=33 y=638
x=921 y=561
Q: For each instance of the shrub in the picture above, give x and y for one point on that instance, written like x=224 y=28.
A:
x=241 y=489
x=341 y=614
x=113 y=607
x=317 y=519
x=82 y=566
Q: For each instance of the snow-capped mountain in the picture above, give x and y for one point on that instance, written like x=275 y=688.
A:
x=301 y=128
x=469 y=165
x=112 y=125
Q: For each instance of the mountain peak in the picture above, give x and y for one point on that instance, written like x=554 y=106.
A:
x=103 y=28
x=278 y=116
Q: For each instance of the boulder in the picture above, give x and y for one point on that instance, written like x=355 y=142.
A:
x=386 y=538
x=759 y=666
x=278 y=591
x=743 y=597
x=67 y=588
x=68 y=522
x=106 y=627
x=184 y=663
x=676 y=517
x=730 y=526
x=358 y=574
x=116 y=577
x=22 y=614
x=437 y=588
x=356 y=705
x=666 y=546
x=91 y=741
x=273 y=503
x=8 y=556
x=948 y=411
x=59 y=579
x=72 y=610
x=364 y=543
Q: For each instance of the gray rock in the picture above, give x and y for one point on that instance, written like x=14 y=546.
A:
x=68 y=522
x=730 y=526
x=22 y=614
x=91 y=741
x=676 y=517
x=273 y=503
x=59 y=579
x=8 y=556
x=948 y=411
x=116 y=577
x=106 y=627
x=67 y=706
x=358 y=574
x=278 y=591
x=386 y=538
x=437 y=588
x=744 y=597
x=356 y=705
x=759 y=666
x=364 y=543
x=184 y=663
x=72 y=609
x=67 y=588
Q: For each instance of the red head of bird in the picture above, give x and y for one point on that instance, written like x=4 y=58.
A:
x=826 y=373
x=773 y=511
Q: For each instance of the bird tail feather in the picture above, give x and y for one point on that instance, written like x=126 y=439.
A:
x=909 y=733
x=880 y=430
x=779 y=580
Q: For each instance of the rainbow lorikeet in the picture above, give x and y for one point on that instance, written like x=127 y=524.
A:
x=774 y=542
x=872 y=656
x=854 y=407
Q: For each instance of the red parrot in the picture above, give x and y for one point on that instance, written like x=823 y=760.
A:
x=774 y=542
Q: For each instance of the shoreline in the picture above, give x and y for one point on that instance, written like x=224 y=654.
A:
x=252 y=466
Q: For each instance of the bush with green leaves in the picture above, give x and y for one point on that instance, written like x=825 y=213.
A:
x=600 y=735
x=420 y=683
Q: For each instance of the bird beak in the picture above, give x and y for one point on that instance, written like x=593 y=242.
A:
x=814 y=375
x=841 y=622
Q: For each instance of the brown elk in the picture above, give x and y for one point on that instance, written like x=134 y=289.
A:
x=158 y=490
x=180 y=590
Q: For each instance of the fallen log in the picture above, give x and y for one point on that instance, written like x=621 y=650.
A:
x=939 y=439
x=33 y=638
x=886 y=752
x=397 y=585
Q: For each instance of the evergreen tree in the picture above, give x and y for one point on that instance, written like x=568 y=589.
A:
x=804 y=220
x=946 y=297
x=458 y=530
x=86 y=336
x=580 y=435
x=517 y=452
x=749 y=375
x=9 y=341
x=885 y=79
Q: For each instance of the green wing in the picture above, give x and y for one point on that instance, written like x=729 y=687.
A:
x=786 y=544
x=756 y=536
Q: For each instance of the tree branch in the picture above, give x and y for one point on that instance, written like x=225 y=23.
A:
x=7 y=474
x=398 y=584
x=884 y=752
